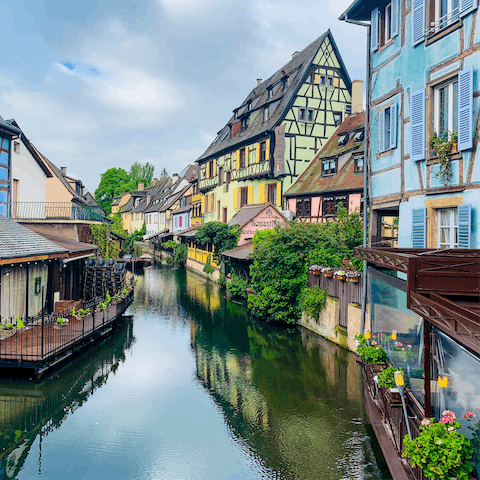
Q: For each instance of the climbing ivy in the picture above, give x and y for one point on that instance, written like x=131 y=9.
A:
x=106 y=248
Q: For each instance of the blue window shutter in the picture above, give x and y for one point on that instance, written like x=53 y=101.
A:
x=417 y=125
x=467 y=6
x=381 y=131
x=395 y=16
x=418 y=21
x=374 y=31
x=464 y=226
x=393 y=126
x=419 y=228
x=465 y=108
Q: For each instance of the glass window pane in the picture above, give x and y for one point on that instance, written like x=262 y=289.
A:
x=455 y=106
x=3 y=174
x=455 y=216
x=3 y=196
x=444 y=235
x=4 y=158
x=444 y=218
x=5 y=143
x=387 y=128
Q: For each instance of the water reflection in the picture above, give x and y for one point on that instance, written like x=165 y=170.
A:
x=291 y=399
x=33 y=410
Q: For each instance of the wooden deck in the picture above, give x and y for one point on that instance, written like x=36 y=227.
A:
x=40 y=347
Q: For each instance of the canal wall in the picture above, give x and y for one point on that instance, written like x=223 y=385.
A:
x=197 y=267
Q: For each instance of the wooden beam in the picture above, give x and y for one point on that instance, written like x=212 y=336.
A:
x=35 y=258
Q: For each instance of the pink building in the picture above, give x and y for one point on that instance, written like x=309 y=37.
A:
x=251 y=218
x=335 y=175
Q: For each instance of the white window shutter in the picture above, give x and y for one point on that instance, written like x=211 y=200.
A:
x=464 y=226
x=381 y=131
x=393 y=126
x=374 y=31
x=395 y=17
x=419 y=228
x=467 y=6
x=418 y=21
x=417 y=125
x=465 y=109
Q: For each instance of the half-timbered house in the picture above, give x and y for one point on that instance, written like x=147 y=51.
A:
x=274 y=134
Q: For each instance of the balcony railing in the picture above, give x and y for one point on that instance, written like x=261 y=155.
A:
x=55 y=211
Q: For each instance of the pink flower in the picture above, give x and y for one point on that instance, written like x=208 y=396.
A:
x=374 y=342
x=399 y=344
x=451 y=429
x=469 y=415
x=403 y=349
x=409 y=346
x=379 y=334
x=426 y=422
x=448 y=413
x=446 y=420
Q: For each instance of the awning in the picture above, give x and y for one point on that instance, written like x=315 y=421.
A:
x=243 y=252
x=152 y=235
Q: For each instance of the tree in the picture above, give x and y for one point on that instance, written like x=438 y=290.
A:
x=163 y=174
x=113 y=183
x=142 y=173
x=221 y=236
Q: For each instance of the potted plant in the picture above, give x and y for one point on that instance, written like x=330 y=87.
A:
x=352 y=276
x=82 y=313
x=116 y=299
x=7 y=330
x=124 y=292
x=442 y=147
x=374 y=355
x=327 y=272
x=102 y=307
x=386 y=378
x=440 y=451
x=61 y=323
x=340 y=274
x=475 y=429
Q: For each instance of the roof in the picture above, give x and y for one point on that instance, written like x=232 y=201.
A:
x=153 y=193
x=171 y=200
x=248 y=212
x=33 y=151
x=184 y=209
x=312 y=181
x=188 y=232
x=360 y=10
x=280 y=102
x=243 y=252
x=17 y=241
x=5 y=126
x=72 y=246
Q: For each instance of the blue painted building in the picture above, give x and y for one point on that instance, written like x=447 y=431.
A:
x=7 y=133
x=424 y=80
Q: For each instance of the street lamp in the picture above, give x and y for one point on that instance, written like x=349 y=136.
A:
x=400 y=383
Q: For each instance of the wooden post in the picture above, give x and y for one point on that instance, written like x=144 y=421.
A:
x=43 y=319
x=427 y=330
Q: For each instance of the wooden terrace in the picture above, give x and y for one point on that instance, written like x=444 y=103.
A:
x=40 y=346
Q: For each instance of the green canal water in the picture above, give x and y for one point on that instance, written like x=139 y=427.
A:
x=188 y=386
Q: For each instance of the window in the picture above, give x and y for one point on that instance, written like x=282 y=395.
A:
x=242 y=158
x=263 y=151
x=388 y=22
x=447 y=228
x=446 y=108
x=16 y=147
x=210 y=169
x=269 y=93
x=310 y=114
x=342 y=139
x=243 y=196
x=323 y=80
x=302 y=114
x=331 y=204
x=384 y=24
x=303 y=207
x=329 y=81
x=348 y=108
x=329 y=167
x=387 y=128
x=309 y=78
x=358 y=165
x=337 y=118
x=358 y=136
x=306 y=114
x=249 y=106
x=265 y=114
x=244 y=124
x=446 y=13
x=272 y=193
x=284 y=84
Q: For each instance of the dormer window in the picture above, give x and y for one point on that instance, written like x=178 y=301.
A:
x=358 y=165
x=284 y=84
x=358 y=136
x=244 y=124
x=249 y=106
x=265 y=114
x=342 y=139
x=329 y=168
x=216 y=138
x=269 y=93
x=224 y=136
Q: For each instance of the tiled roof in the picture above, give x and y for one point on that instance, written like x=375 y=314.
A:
x=17 y=241
x=311 y=181
x=243 y=252
x=248 y=213
x=184 y=209
x=278 y=104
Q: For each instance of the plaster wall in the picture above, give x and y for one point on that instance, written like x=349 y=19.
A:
x=266 y=220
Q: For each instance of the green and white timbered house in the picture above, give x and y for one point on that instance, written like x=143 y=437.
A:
x=276 y=132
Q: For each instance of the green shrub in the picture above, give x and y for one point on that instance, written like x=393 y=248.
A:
x=208 y=269
x=222 y=281
x=180 y=254
x=220 y=235
x=313 y=301
x=237 y=286
x=372 y=353
x=386 y=378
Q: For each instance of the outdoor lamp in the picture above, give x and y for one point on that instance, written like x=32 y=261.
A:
x=367 y=334
x=394 y=334
x=443 y=381
x=400 y=383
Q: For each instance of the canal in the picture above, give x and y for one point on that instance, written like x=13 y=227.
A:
x=190 y=387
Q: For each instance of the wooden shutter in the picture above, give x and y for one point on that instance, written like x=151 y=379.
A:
x=261 y=193
x=250 y=195
x=267 y=150
x=235 y=198
x=467 y=6
x=246 y=157
x=374 y=31
x=215 y=168
x=417 y=125
x=395 y=17
x=419 y=220
x=279 y=194
x=418 y=21
x=237 y=161
x=203 y=204
x=465 y=108
x=257 y=154
x=464 y=226
x=393 y=126
x=381 y=131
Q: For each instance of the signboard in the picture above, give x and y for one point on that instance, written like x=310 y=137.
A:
x=279 y=152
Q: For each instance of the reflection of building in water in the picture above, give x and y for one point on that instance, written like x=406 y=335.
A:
x=31 y=409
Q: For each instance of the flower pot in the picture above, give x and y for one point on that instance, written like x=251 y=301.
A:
x=328 y=274
x=393 y=397
x=341 y=277
x=58 y=326
x=7 y=333
x=316 y=272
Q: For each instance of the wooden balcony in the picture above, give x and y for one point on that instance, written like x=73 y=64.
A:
x=443 y=286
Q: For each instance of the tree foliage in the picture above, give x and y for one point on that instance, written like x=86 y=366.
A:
x=141 y=173
x=220 y=235
x=163 y=173
x=106 y=248
x=281 y=257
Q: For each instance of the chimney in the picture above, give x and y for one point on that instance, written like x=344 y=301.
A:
x=294 y=54
x=357 y=96
x=174 y=177
x=64 y=170
x=259 y=81
x=155 y=181
x=141 y=186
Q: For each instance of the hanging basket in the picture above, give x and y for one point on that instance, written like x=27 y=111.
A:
x=7 y=333
x=340 y=277
x=353 y=279
x=328 y=274
x=58 y=326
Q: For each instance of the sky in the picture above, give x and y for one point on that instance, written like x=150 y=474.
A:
x=99 y=84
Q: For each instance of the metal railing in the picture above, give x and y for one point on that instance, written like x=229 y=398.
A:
x=445 y=21
x=55 y=211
